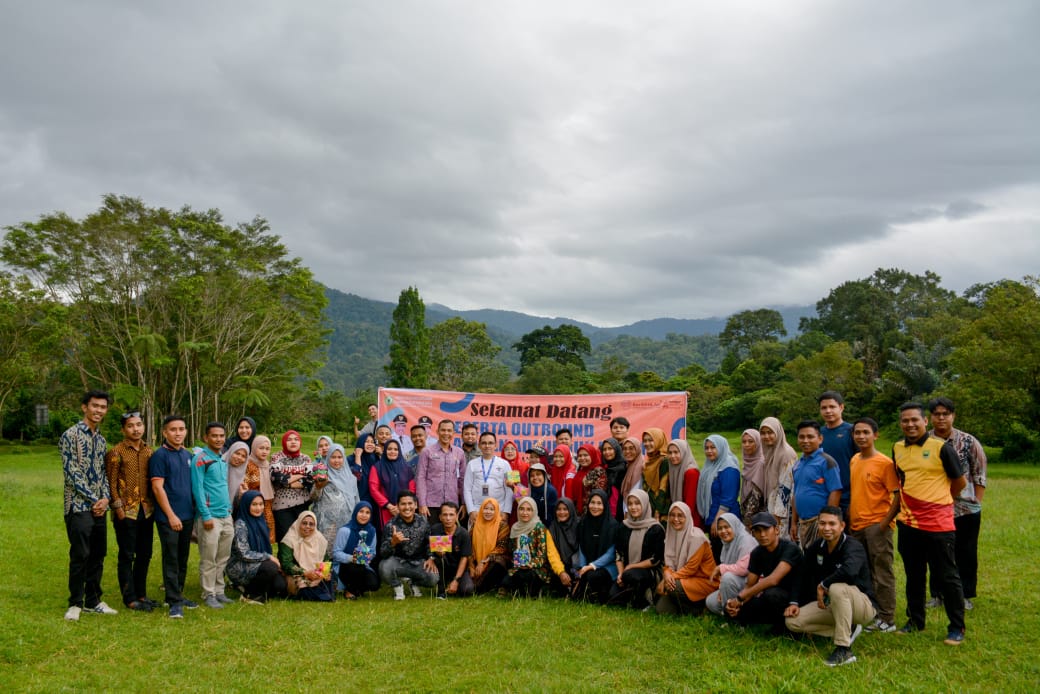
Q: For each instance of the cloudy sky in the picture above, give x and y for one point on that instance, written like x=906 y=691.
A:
x=591 y=159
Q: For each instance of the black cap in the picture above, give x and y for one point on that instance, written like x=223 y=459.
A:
x=537 y=450
x=400 y=418
x=763 y=519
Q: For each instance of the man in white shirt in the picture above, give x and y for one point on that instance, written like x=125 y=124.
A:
x=486 y=478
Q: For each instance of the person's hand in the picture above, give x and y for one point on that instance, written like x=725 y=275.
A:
x=175 y=523
x=208 y=525
x=276 y=562
x=453 y=587
x=585 y=569
x=99 y=507
x=821 y=593
x=565 y=579
x=424 y=511
x=312 y=575
x=243 y=488
x=794 y=534
x=715 y=528
x=318 y=484
x=397 y=537
x=120 y=513
x=392 y=508
x=716 y=575
x=430 y=566
x=791 y=611
x=733 y=607
x=669 y=579
x=356 y=421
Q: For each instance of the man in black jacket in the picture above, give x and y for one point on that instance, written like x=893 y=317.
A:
x=837 y=595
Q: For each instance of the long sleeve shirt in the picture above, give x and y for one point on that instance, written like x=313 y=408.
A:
x=481 y=473
x=209 y=485
x=439 y=475
x=83 y=465
x=847 y=564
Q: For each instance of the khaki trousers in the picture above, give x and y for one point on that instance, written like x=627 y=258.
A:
x=848 y=606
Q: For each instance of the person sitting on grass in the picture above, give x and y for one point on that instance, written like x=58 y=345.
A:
x=730 y=575
x=452 y=571
x=640 y=549
x=688 y=565
x=564 y=531
x=772 y=577
x=353 y=553
x=405 y=549
x=302 y=554
x=490 y=539
x=535 y=559
x=837 y=596
x=253 y=569
x=597 y=531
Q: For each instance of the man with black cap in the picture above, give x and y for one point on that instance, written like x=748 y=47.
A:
x=772 y=578
x=837 y=595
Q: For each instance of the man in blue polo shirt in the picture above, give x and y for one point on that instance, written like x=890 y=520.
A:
x=213 y=525
x=170 y=471
x=837 y=440
x=817 y=483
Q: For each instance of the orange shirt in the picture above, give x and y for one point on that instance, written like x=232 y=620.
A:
x=872 y=480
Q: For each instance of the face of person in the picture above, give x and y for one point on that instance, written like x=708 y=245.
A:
x=674 y=454
x=364 y=515
x=244 y=431
x=608 y=453
x=768 y=436
x=677 y=519
x=595 y=506
x=215 y=438
x=725 y=531
x=238 y=457
x=942 y=420
x=710 y=451
x=635 y=507
x=406 y=508
x=537 y=477
x=619 y=431
x=256 y=507
x=307 y=526
x=94 y=411
x=323 y=447
x=563 y=439
x=648 y=443
x=445 y=433
x=175 y=433
x=488 y=512
x=370 y=445
x=393 y=451
x=263 y=449
x=830 y=412
x=487 y=446
x=336 y=460
x=863 y=435
x=809 y=439
x=469 y=436
x=509 y=452
x=418 y=437
x=629 y=451
x=766 y=535
x=383 y=434
x=525 y=512
x=563 y=514
x=748 y=445
x=373 y=411
x=400 y=428
x=584 y=459
x=448 y=517
x=558 y=459
x=292 y=443
x=913 y=423
x=133 y=429
x=830 y=526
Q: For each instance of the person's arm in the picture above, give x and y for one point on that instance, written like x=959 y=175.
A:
x=375 y=490
x=893 y=510
x=853 y=558
x=163 y=501
x=242 y=548
x=339 y=554
x=553 y=555
x=467 y=487
x=738 y=568
x=977 y=468
x=420 y=483
x=506 y=505
x=952 y=468
x=112 y=461
x=288 y=560
x=833 y=477
x=733 y=605
x=762 y=583
x=689 y=494
x=700 y=563
x=198 y=490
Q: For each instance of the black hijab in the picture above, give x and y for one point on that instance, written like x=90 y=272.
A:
x=596 y=533
x=565 y=535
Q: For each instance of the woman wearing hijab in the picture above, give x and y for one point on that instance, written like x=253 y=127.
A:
x=511 y=454
x=245 y=431
x=718 y=487
x=363 y=464
x=490 y=539
x=591 y=475
x=655 y=472
x=542 y=493
x=632 y=453
x=354 y=552
x=562 y=471
x=337 y=499
x=779 y=481
x=753 y=474
x=731 y=573
x=535 y=559
x=252 y=566
x=683 y=476
x=564 y=531
x=293 y=482
x=322 y=448
x=236 y=456
x=688 y=565
x=392 y=475
x=258 y=477
x=640 y=550
x=614 y=461
x=595 y=561
x=302 y=554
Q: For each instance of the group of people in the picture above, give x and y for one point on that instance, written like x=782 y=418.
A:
x=799 y=542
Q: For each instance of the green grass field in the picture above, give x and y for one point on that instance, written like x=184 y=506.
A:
x=483 y=644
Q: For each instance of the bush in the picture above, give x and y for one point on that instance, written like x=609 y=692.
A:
x=1021 y=445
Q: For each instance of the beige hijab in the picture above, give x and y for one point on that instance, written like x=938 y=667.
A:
x=308 y=552
x=680 y=545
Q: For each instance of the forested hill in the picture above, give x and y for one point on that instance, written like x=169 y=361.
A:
x=360 y=339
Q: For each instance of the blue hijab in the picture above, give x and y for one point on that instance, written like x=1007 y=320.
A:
x=357 y=528
x=362 y=466
x=258 y=532
x=394 y=475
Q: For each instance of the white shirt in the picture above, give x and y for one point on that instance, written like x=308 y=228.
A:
x=494 y=471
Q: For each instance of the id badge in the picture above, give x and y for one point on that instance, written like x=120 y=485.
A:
x=484 y=490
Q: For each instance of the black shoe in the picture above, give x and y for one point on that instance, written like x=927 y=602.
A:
x=842 y=655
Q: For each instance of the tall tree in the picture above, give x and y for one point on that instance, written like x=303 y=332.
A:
x=409 y=365
x=564 y=345
x=462 y=356
x=747 y=328
x=174 y=309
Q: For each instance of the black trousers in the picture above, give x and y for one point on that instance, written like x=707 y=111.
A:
x=633 y=591
x=594 y=586
x=524 y=582
x=765 y=608
x=358 y=579
x=923 y=551
x=175 y=545
x=966 y=552
x=88 y=544
x=269 y=582
x=134 y=537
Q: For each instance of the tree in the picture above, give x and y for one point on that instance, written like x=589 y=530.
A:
x=409 y=365
x=462 y=356
x=564 y=345
x=550 y=377
x=835 y=368
x=747 y=328
x=174 y=310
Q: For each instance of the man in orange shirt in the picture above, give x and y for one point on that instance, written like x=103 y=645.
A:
x=873 y=481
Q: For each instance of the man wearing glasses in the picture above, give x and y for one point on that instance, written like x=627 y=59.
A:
x=486 y=478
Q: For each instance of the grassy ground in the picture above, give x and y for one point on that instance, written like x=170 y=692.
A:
x=483 y=643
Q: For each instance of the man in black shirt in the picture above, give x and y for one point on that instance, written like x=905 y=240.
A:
x=772 y=576
x=452 y=567
x=837 y=594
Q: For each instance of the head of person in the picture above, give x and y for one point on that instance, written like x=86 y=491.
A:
x=509 y=451
x=619 y=428
x=175 y=430
x=584 y=457
x=362 y=513
x=373 y=410
x=769 y=437
x=489 y=509
x=132 y=426
x=400 y=424
x=337 y=457
x=649 y=445
x=635 y=505
x=445 y=432
x=912 y=420
x=864 y=433
x=324 y=443
x=449 y=515
x=749 y=443
x=630 y=450
x=610 y=450
x=488 y=444
x=237 y=454
x=253 y=502
x=369 y=444
x=677 y=516
x=536 y=475
x=711 y=449
x=95 y=404
x=261 y=449
x=214 y=436
x=418 y=436
x=392 y=450
x=469 y=434
x=809 y=436
x=308 y=524
x=598 y=502
x=832 y=405
x=383 y=434
x=564 y=437
x=407 y=505
x=764 y=529
x=563 y=510
x=831 y=523
x=526 y=509
x=291 y=443
x=941 y=412
x=725 y=530
x=244 y=429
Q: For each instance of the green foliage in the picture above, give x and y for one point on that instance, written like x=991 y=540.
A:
x=664 y=357
x=462 y=357
x=746 y=328
x=835 y=368
x=409 y=365
x=564 y=345
x=550 y=377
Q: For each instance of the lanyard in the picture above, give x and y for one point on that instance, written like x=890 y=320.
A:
x=488 y=471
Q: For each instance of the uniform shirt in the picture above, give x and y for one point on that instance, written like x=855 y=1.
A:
x=492 y=474
x=439 y=475
x=924 y=468
x=174 y=467
x=838 y=444
x=816 y=475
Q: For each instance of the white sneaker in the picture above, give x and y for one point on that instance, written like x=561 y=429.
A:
x=101 y=608
x=416 y=591
x=398 y=592
x=855 y=633
x=72 y=614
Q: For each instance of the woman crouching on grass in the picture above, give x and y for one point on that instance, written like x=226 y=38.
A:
x=302 y=554
x=252 y=567
x=353 y=552
x=688 y=565
x=535 y=559
x=640 y=549
x=490 y=539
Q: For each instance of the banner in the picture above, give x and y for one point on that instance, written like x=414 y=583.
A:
x=531 y=419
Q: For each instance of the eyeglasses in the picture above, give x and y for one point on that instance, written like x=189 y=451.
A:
x=942 y=414
x=128 y=415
